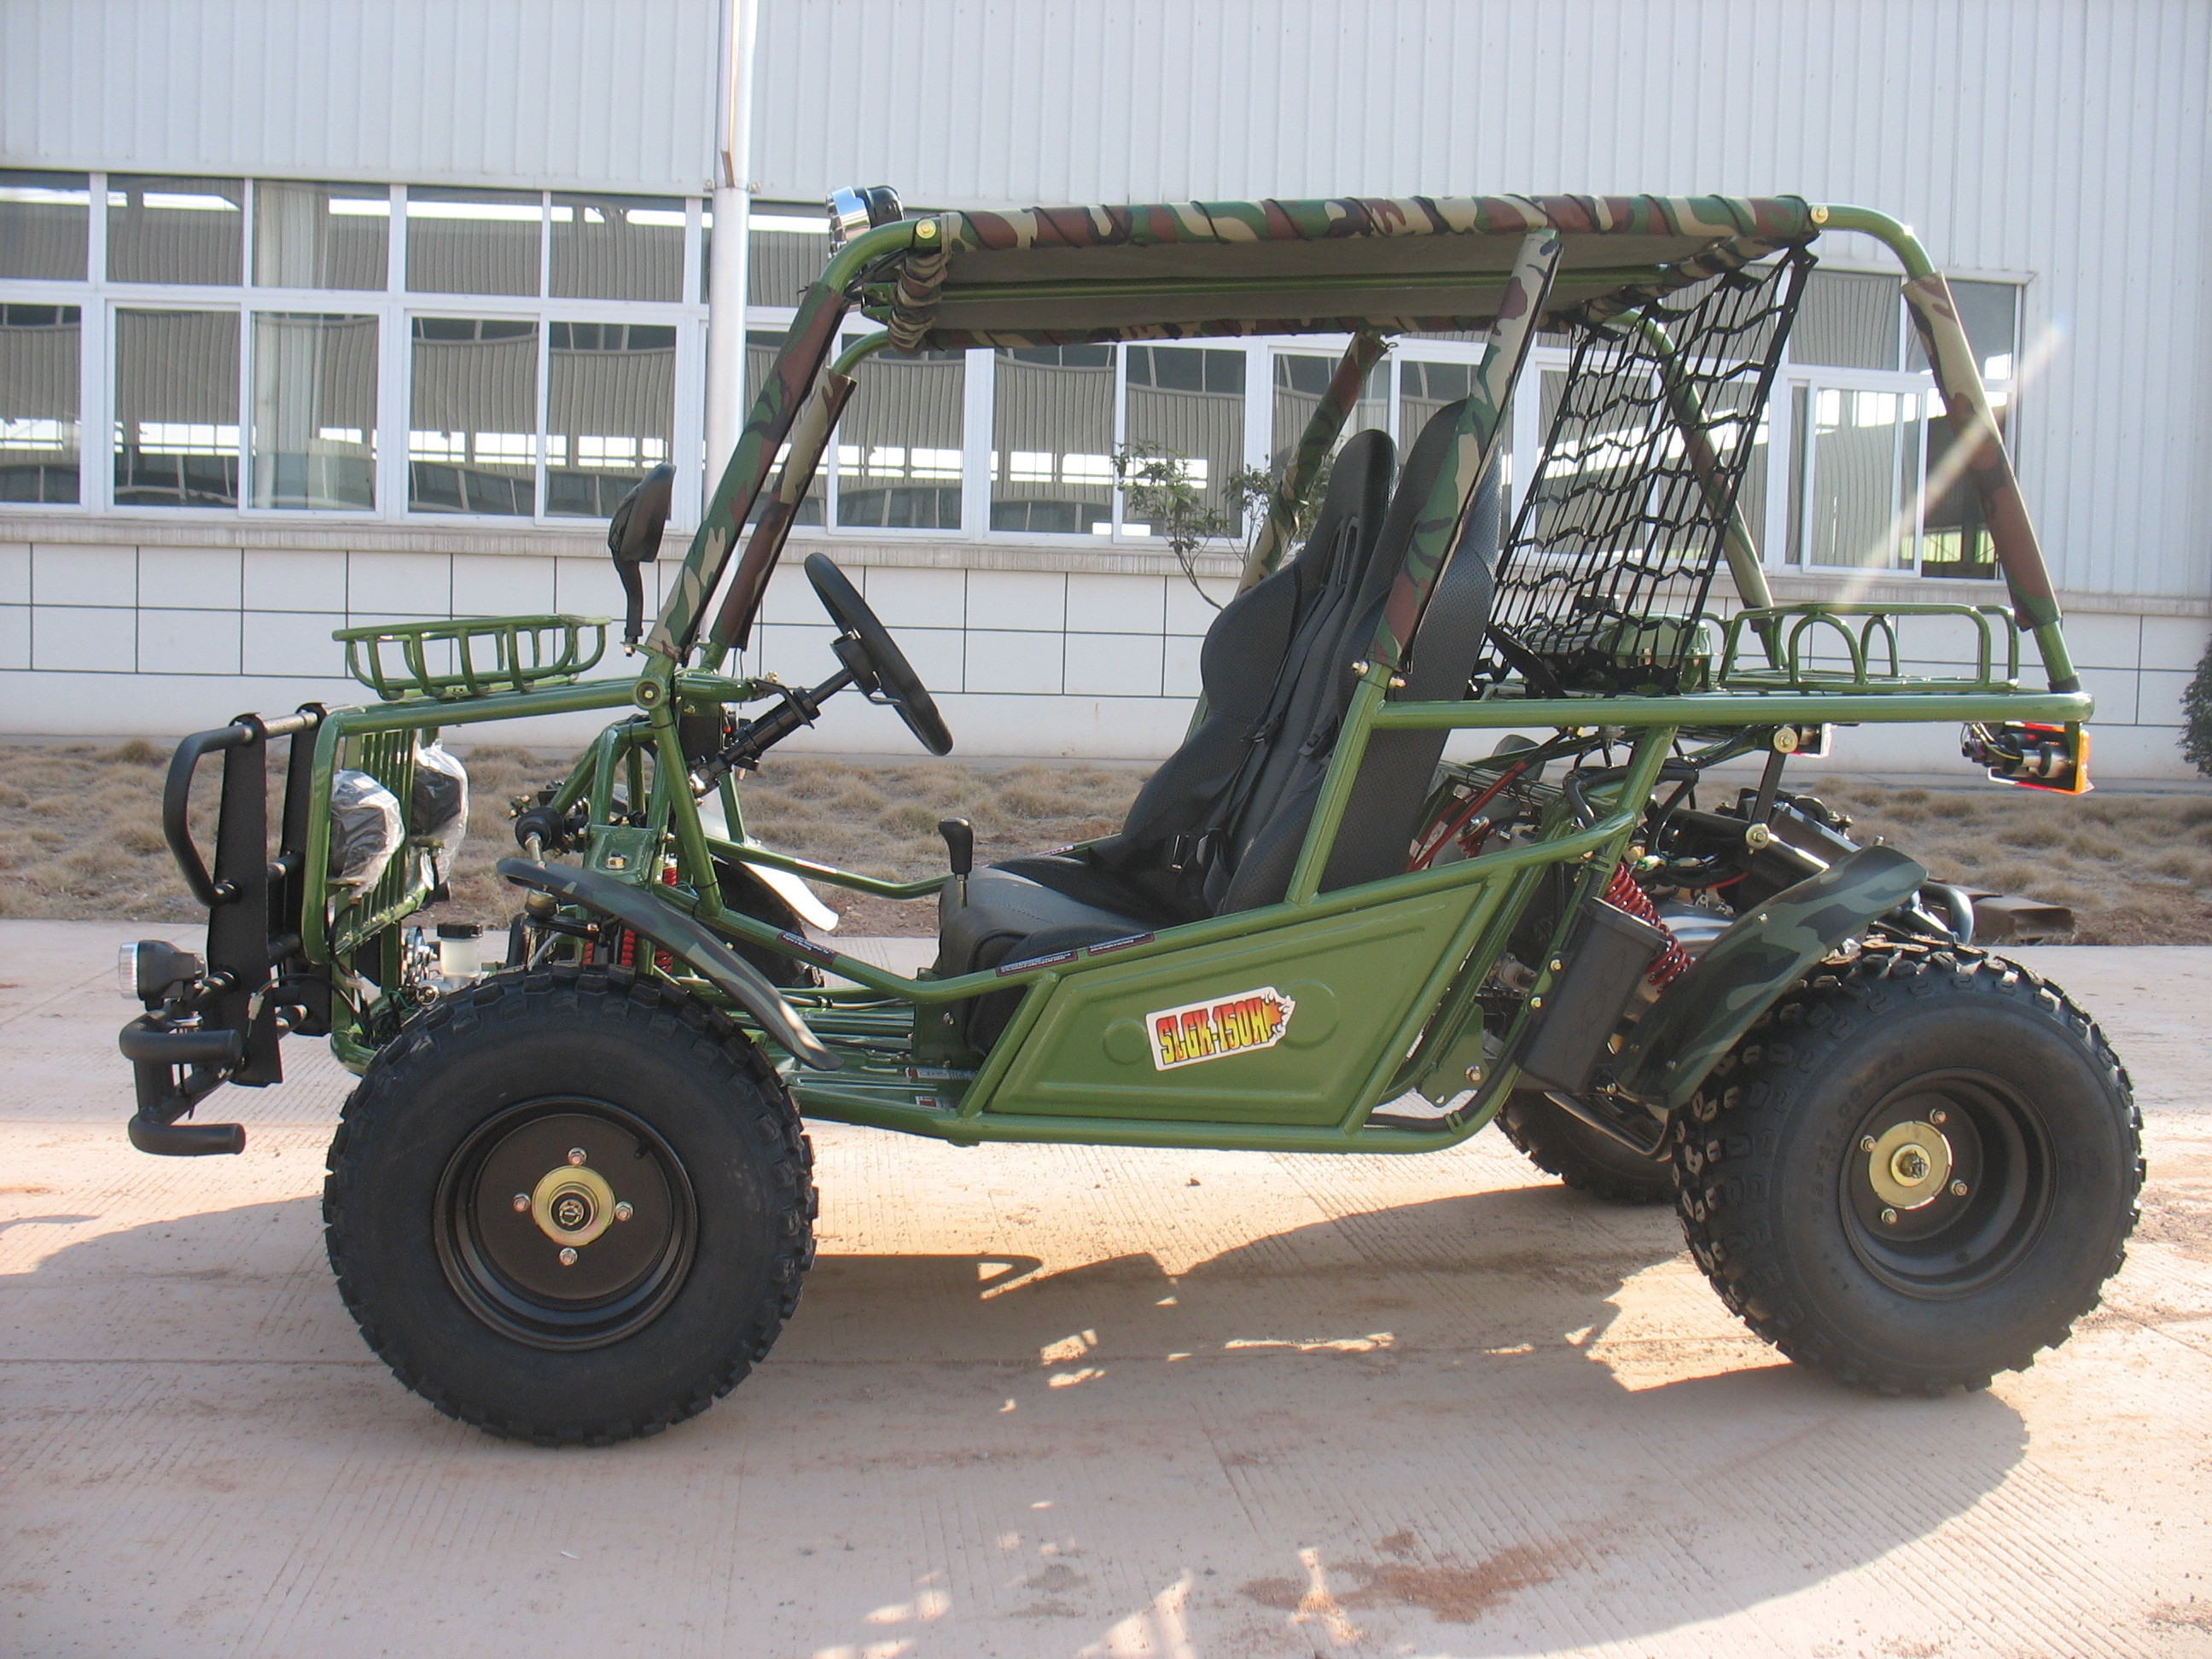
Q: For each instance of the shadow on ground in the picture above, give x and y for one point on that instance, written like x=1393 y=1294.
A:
x=1489 y=1412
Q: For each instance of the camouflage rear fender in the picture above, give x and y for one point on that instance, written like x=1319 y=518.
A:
x=1705 y=1012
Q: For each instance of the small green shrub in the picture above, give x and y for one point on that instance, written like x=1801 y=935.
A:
x=2197 y=716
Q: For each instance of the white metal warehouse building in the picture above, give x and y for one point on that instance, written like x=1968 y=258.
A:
x=320 y=314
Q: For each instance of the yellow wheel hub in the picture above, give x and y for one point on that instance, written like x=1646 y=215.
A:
x=1908 y=1165
x=573 y=1205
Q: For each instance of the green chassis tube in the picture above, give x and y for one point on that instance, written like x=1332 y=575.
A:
x=1381 y=976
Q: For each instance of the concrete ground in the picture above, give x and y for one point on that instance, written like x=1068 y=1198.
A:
x=1071 y=1402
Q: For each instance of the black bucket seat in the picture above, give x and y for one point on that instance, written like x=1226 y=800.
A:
x=1219 y=827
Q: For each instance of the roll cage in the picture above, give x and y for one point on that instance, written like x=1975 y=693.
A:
x=1412 y=952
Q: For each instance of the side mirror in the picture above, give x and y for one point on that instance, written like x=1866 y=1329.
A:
x=634 y=538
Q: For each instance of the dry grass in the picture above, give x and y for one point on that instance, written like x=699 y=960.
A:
x=80 y=834
x=2136 y=869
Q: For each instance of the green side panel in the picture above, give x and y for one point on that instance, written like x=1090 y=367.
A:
x=1351 y=980
x=1762 y=955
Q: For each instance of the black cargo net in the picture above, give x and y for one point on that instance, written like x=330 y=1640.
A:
x=1648 y=435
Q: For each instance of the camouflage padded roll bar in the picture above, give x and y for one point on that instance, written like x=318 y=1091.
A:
x=810 y=440
x=806 y=348
x=1481 y=428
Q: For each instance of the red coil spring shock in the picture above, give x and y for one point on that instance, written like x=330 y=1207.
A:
x=626 y=956
x=1622 y=894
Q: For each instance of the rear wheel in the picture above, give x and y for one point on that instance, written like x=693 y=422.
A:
x=570 y=1205
x=1561 y=1144
x=1915 y=1172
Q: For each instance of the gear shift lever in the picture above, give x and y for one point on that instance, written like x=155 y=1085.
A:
x=960 y=850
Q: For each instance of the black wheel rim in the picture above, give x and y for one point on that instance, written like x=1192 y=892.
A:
x=1947 y=1183
x=559 y=1251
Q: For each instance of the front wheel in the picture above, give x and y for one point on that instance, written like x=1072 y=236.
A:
x=1913 y=1172
x=569 y=1205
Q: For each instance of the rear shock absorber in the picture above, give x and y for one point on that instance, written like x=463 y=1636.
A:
x=1622 y=893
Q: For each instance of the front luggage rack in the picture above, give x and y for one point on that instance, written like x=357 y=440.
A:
x=471 y=656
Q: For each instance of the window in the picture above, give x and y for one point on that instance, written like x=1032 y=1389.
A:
x=44 y=218
x=554 y=391
x=609 y=414
x=472 y=241
x=1859 y=471
x=179 y=231
x=314 y=411
x=176 y=408
x=472 y=434
x=617 y=247
x=1052 y=439
x=40 y=348
x=320 y=235
x=1872 y=481
x=1423 y=389
x=1300 y=381
x=1190 y=402
x=898 y=459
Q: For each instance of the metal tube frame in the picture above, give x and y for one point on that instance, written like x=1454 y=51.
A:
x=874 y=1019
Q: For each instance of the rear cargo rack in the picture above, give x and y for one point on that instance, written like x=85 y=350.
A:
x=1866 y=652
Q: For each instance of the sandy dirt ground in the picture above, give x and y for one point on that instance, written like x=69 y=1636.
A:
x=1047 y=1402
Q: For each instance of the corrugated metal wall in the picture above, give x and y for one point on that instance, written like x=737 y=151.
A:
x=548 y=93
x=2061 y=139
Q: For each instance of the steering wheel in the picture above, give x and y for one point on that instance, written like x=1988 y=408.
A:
x=878 y=667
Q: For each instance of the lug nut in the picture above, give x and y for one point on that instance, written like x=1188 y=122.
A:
x=575 y=1155
x=1889 y=1218
x=567 y=1257
x=521 y=1203
x=622 y=1211
x=1939 y=1116
x=1866 y=1143
x=1958 y=1189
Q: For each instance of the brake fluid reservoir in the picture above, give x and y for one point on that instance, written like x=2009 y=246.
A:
x=460 y=949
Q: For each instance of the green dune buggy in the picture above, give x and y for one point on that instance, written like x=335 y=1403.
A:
x=571 y=1198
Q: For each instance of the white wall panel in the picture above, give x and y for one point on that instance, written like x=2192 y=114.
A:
x=551 y=93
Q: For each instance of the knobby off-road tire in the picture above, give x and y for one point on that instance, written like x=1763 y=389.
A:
x=570 y=1206
x=1914 y=1171
x=1558 y=1143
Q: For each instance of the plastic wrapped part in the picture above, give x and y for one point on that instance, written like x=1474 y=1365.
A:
x=365 y=830
x=438 y=808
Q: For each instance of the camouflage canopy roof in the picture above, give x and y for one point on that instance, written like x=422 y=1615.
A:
x=1191 y=270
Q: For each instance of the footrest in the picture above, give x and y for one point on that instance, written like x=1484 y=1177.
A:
x=187 y=1140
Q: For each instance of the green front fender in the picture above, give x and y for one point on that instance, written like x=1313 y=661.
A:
x=1707 y=1011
